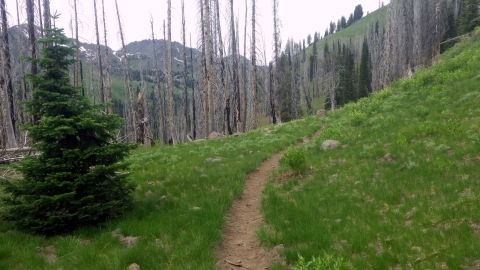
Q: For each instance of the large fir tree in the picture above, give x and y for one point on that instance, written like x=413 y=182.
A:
x=364 y=76
x=75 y=180
x=470 y=16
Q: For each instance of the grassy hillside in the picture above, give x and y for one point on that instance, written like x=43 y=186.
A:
x=418 y=210
x=354 y=32
x=183 y=193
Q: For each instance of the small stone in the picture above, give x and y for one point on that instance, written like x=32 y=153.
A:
x=116 y=232
x=215 y=135
x=134 y=266
x=410 y=213
x=196 y=208
x=321 y=113
x=240 y=243
x=212 y=160
x=338 y=220
x=389 y=157
x=330 y=144
x=163 y=198
x=129 y=241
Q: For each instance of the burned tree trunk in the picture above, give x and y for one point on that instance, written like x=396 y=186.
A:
x=209 y=111
x=108 y=80
x=226 y=99
x=6 y=83
x=129 y=114
x=168 y=68
x=99 y=55
x=235 y=81
x=194 y=117
x=254 y=68
x=185 y=77
x=158 y=92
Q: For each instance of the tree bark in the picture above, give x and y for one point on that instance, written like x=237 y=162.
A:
x=168 y=68
x=254 y=68
x=185 y=77
x=235 y=80
x=6 y=83
x=99 y=56
x=129 y=114
x=158 y=92
x=108 y=79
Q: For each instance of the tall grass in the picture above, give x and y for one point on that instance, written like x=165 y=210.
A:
x=418 y=211
x=181 y=201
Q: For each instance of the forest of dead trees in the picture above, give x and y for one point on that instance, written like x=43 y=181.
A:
x=218 y=87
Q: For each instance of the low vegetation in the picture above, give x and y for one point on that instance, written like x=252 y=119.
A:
x=181 y=198
x=403 y=191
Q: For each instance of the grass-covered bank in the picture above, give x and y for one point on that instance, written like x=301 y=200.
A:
x=182 y=196
x=418 y=211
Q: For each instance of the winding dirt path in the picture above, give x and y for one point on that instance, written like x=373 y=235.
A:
x=241 y=249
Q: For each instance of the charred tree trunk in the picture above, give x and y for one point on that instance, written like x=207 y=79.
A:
x=209 y=111
x=168 y=68
x=226 y=99
x=6 y=83
x=185 y=77
x=254 y=68
x=194 y=117
x=276 y=83
x=158 y=92
x=235 y=80
x=129 y=114
x=244 y=71
x=108 y=79
x=99 y=56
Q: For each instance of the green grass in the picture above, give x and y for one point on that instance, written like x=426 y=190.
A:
x=419 y=211
x=180 y=207
x=356 y=31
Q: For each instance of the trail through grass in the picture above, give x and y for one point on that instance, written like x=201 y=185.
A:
x=182 y=196
x=417 y=211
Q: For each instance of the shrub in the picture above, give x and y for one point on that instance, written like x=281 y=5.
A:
x=75 y=180
x=295 y=158
x=328 y=262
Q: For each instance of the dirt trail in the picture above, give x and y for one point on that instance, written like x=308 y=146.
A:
x=240 y=248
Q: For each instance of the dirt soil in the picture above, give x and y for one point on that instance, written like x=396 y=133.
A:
x=241 y=249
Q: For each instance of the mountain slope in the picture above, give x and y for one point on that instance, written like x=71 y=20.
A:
x=403 y=190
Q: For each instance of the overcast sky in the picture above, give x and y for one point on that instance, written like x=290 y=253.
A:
x=298 y=18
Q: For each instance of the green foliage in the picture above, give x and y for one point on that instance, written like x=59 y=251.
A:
x=356 y=118
x=365 y=74
x=470 y=16
x=74 y=181
x=380 y=213
x=295 y=158
x=327 y=262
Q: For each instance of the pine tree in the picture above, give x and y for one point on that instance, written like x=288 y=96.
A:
x=74 y=182
x=364 y=77
x=470 y=16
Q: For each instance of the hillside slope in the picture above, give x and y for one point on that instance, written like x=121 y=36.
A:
x=403 y=191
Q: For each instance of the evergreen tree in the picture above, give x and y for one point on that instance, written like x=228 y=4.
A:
x=74 y=181
x=286 y=110
x=470 y=16
x=358 y=13
x=365 y=75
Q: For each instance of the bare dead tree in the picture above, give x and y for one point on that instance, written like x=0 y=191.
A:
x=41 y=20
x=276 y=84
x=129 y=113
x=99 y=56
x=235 y=80
x=168 y=68
x=226 y=99
x=194 y=116
x=6 y=82
x=254 y=67
x=209 y=111
x=244 y=72
x=108 y=79
x=158 y=92
x=23 y=80
x=185 y=77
